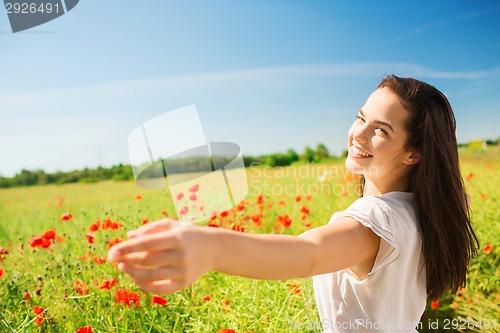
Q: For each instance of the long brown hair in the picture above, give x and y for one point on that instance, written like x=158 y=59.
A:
x=448 y=240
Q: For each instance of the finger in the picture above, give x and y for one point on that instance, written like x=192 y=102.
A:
x=153 y=227
x=156 y=242
x=150 y=275
x=161 y=287
x=151 y=259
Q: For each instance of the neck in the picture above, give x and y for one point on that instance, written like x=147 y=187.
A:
x=376 y=187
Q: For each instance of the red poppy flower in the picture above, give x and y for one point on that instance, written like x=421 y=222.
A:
x=309 y=197
x=226 y=330
x=113 y=242
x=164 y=212
x=127 y=297
x=469 y=176
x=295 y=288
x=99 y=260
x=84 y=329
x=108 y=284
x=194 y=188
x=138 y=197
x=2 y=272
x=237 y=227
x=484 y=195
x=66 y=217
x=257 y=220
x=180 y=196
x=50 y=234
x=80 y=288
x=115 y=225
x=38 y=310
x=183 y=210
x=3 y=252
x=90 y=238
x=223 y=214
x=40 y=241
x=298 y=198
x=260 y=199
x=487 y=249
x=284 y=220
x=158 y=300
x=305 y=210
x=95 y=226
x=106 y=224
x=207 y=298
x=434 y=305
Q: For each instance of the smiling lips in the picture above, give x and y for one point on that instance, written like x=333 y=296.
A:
x=356 y=151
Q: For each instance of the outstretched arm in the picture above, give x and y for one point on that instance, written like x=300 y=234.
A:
x=162 y=259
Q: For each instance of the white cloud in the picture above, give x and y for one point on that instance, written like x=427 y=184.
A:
x=270 y=79
x=82 y=119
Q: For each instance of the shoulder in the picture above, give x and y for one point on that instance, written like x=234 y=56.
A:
x=364 y=209
x=386 y=215
x=381 y=207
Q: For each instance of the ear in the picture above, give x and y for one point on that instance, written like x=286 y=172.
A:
x=413 y=157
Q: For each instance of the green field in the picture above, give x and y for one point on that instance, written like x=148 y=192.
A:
x=65 y=277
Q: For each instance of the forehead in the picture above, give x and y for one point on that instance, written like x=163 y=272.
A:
x=386 y=106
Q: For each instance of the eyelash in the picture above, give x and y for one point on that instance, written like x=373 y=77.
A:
x=379 y=128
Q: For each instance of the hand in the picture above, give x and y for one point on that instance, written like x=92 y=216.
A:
x=162 y=257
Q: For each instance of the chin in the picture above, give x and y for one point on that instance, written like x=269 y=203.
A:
x=354 y=167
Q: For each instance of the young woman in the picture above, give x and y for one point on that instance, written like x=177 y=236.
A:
x=407 y=238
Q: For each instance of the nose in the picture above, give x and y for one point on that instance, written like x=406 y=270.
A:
x=360 y=134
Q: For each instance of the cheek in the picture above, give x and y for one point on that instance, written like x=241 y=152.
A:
x=385 y=150
x=378 y=145
x=350 y=134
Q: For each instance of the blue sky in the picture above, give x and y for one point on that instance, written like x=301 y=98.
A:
x=267 y=75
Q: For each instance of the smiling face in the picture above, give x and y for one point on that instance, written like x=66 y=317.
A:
x=377 y=140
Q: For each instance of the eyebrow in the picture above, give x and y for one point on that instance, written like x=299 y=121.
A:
x=381 y=122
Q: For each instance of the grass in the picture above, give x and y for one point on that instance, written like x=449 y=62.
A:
x=217 y=301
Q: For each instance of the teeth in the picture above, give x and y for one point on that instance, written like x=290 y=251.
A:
x=360 y=152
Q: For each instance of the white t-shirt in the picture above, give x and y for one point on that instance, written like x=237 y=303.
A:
x=393 y=296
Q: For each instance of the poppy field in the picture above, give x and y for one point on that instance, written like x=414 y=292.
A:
x=54 y=275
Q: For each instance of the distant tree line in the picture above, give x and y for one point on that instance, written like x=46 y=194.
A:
x=122 y=172
x=310 y=155
x=40 y=177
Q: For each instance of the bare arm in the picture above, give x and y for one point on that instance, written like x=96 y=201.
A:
x=164 y=260
x=324 y=249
